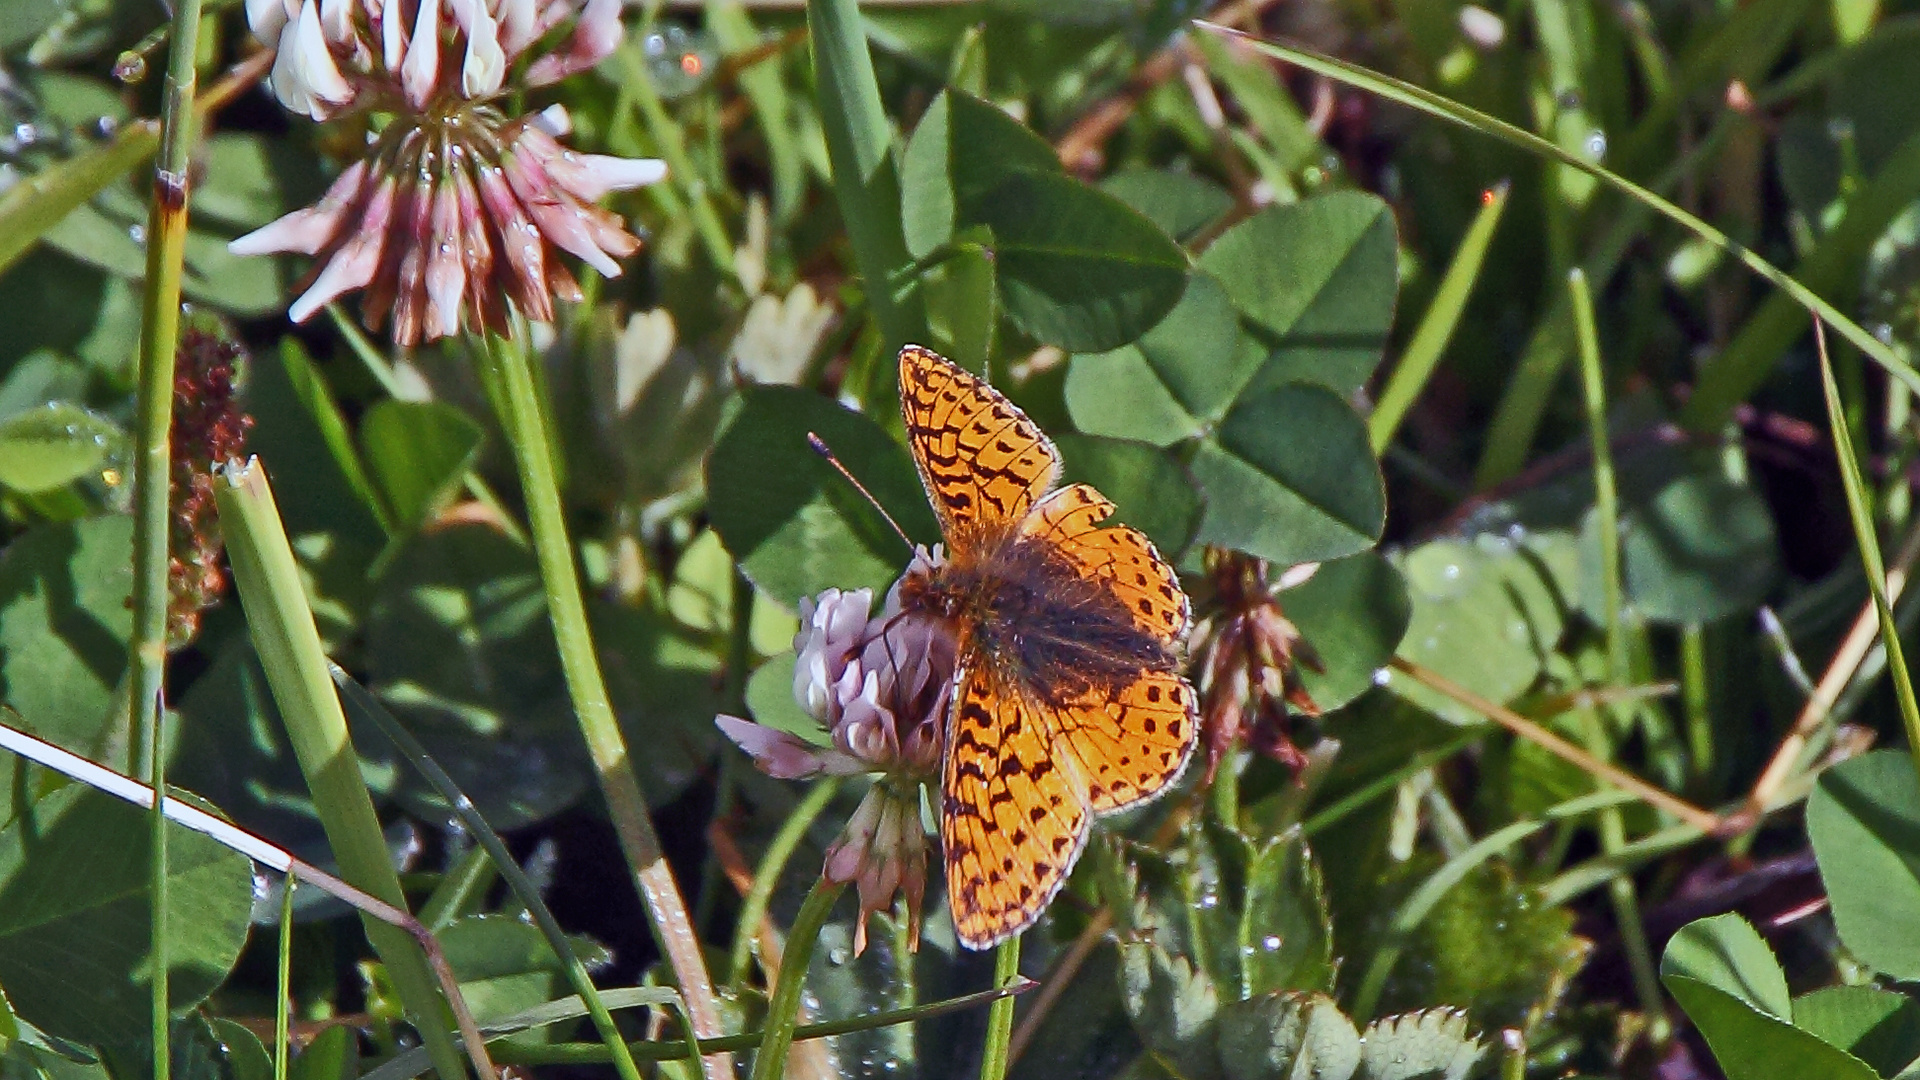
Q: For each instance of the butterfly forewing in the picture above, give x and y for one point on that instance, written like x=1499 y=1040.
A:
x=1013 y=815
x=984 y=463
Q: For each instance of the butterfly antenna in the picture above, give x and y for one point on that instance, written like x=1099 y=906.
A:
x=820 y=447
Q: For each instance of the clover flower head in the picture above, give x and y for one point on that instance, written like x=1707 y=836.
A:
x=1250 y=660
x=457 y=212
x=879 y=684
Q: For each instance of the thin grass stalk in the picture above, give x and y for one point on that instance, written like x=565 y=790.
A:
x=1869 y=544
x=1606 y=508
x=1436 y=327
x=783 y=1007
x=283 y=983
x=753 y=907
x=672 y=144
x=1006 y=972
x=595 y=1054
x=153 y=480
x=489 y=841
x=528 y=431
x=267 y=578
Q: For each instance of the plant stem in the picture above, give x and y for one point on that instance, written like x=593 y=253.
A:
x=527 y=429
x=153 y=477
x=783 y=1008
x=1006 y=972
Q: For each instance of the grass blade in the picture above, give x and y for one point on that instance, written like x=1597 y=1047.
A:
x=366 y=705
x=1432 y=104
x=1869 y=544
x=1430 y=338
x=865 y=181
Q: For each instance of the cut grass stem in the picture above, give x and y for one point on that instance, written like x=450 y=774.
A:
x=1006 y=973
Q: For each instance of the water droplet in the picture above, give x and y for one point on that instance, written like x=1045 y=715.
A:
x=839 y=955
x=1382 y=676
x=1568 y=100
x=1271 y=942
x=1883 y=332
x=25 y=134
x=1207 y=901
x=138 y=233
x=1451 y=571
x=1482 y=27
x=1596 y=144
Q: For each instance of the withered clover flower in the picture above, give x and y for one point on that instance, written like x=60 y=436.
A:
x=879 y=685
x=455 y=212
x=209 y=429
x=1248 y=663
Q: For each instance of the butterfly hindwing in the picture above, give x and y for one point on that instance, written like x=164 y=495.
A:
x=984 y=463
x=1131 y=743
x=1014 y=813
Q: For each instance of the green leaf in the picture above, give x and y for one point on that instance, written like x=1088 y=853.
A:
x=1864 y=821
x=1484 y=616
x=1329 y=303
x=64 y=624
x=796 y=526
x=1199 y=352
x=1728 y=955
x=1153 y=493
x=505 y=966
x=1877 y=1026
x=1118 y=395
x=41 y=377
x=1078 y=268
x=1752 y=1045
x=459 y=601
x=1181 y=203
x=1286 y=934
x=418 y=453
x=770 y=700
x=311 y=390
x=334 y=1054
x=1173 y=1007
x=246 y=1057
x=1290 y=1036
x=33 y=207
x=962 y=299
x=51 y=446
x=1353 y=612
x=74 y=929
x=1431 y=1045
x=1703 y=548
x=1289 y=477
x=962 y=148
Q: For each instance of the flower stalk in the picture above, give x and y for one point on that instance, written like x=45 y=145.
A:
x=527 y=430
x=783 y=1008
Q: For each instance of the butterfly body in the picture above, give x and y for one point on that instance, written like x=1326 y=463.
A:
x=1067 y=703
x=1021 y=609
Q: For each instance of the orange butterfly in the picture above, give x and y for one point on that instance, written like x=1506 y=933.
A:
x=1068 y=702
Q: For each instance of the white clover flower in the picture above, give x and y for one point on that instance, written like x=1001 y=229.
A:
x=453 y=217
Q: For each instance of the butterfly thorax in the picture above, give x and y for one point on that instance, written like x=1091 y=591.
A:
x=1019 y=609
